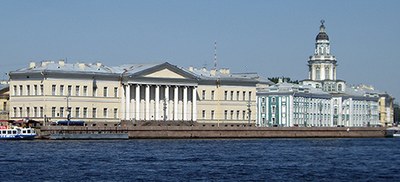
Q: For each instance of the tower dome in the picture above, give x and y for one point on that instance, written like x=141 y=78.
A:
x=322 y=34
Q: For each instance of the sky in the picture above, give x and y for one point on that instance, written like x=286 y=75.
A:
x=272 y=38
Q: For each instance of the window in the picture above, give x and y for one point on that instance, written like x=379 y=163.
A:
x=244 y=115
x=61 y=111
x=53 y=90
x=273 y=99
x=226 y=95
x=28 y=90
x=35 y=88
x=35 y=112
x=244 y=95
x=212 y=94
x=249 y=95
x=231 y=115
x=61 y=89
x=85 y=91
x=20 y=90
x=15 y=111
x=237 y=95
x=94 y=94
x=20 y=111
x=77 y=89
x=327 y=73
x=28 y=111
x=105 y=110
x=317 y=74
x=203 y=114
x=53 y=112
x=203 y=95
x=237 y=115
x=69 y=90
x=85 y=112
x=340 y=87
x=115 y=91
x=105 y=90
x=225 y=114
x=231 y=95
x=273 y=109
x=115 y=113
x=15 y=90
x=212 y=114
x=41 y=112
x=77 y=112
x=41 y=90
x=94 y=113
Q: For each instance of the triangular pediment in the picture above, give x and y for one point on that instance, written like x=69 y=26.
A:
x=164 y=73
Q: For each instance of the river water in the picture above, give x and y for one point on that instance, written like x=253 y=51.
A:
x=367 y=159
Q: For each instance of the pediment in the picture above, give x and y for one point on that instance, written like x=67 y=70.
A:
x=164 y=73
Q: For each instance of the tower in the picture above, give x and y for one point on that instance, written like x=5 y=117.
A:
x=322 y=65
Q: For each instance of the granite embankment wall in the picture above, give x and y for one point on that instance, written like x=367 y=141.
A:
x=226 y=131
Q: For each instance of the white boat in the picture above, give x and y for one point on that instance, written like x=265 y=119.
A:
x=393 y=132
x=16 y=133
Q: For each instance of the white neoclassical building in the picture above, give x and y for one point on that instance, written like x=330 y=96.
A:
x=93 y=92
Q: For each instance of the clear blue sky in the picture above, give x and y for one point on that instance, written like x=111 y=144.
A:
x=272 y=38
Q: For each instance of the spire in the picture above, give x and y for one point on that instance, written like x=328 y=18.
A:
x=215 y=55
x=322 y=27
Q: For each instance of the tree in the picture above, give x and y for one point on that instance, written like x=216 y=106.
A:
x=284 y=79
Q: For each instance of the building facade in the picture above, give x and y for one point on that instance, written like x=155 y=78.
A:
x=51 y=91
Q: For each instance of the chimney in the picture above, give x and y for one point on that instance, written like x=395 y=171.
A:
x=98 y=64
x=32 y=64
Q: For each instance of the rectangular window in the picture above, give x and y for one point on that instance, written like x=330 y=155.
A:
x=77 y=90
x=53 y=90
x=69 y=90
x=41 y=112
x=28 y=90
x=226 y=95
x=243 y=115
x=115 y=91
x=203 y=95
x=94 y=113
x=231 y=115
x=85 y=112
x=94 y=94
x=20 y=90
x=35 y=88
x=105 y=94
x=237 y=115
x=28 y=111
x=115 y=113
x=61 y=89
x=237 y=95
x=77 y=112
x=105 y=112
x=244 y=95
x=62 y=112
x=85 y=91
x=41 y=90
x=249 y=95
x=15 y=90
x=212 y=94
x=225 y=114
x=53 y=112
x=212 y=114
x=35 y=112
x=15 y=111
x=203 y=114
x=20 y=112
x=231 y=95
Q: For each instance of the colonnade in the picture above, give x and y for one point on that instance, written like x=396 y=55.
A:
x=159 y=102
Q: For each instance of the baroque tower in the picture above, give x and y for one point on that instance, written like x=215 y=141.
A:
x=322 y=65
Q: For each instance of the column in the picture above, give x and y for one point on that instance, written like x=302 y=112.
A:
x=137 y=112
x=157 y=102
x=194 y=103
x=127 y=101
x=166 y=100
x=147 y=97
x=176 y=103
x=185 y=100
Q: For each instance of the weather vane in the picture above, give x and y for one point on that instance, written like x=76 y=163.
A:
x=322 y=22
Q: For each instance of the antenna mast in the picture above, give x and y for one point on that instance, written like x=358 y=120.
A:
x=215 y=55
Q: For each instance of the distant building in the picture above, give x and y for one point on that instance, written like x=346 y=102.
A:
x=320 y=100
x=4 y=100
x=51 y=91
